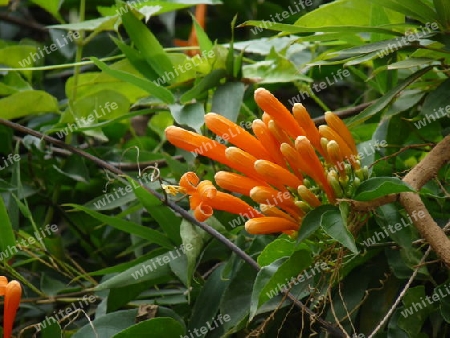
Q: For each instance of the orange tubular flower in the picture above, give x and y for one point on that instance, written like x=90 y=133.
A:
x=271 y=164
x=267 y=102
x=196 y=143
x=269 y=225
x=330 y=134
x=231 y=132
x=335 y=123
x=266 y=138
x=276 y=175
x=12 y=292
x=235 y=182
x=204 y=198
x=316 y=170
x=308 y=125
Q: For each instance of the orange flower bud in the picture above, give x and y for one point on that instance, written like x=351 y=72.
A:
x=335 y=123
x=269 y=225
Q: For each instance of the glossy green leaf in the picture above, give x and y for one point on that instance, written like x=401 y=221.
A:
x=437 y=103
x=273 y=278
x=147 y=44
x=208 y=82
x=376 y=187
x=159 y=327
x=417 y=9
x=227 y=100
x=27 y=103
x=312 y=221
x=152 y=88
x=191 y=114
x=333 y=224
x=107 y=325
x=387 y=98
x=279 y=248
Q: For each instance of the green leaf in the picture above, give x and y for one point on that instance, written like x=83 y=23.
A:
x=227 y=100
x=7 y=239
x=443 y=12
x=194 y=237
x=436 y=102
x=51 y=331
x=155 y=270
x=279 y=248
x=210 y=81
x=154 y=89
x=162 y=327
x=272 y=278
x=147 y=44
x=207 y=303
x=236 y=298
x=107 y=325
x=26 y=103
x=191 y=114
x=387 y=98
x=376 y=187
x=95 y=25
x=51 y=6
x=334 y=225
x=417 y=9
x=345 y=13
x=146 y=233
x=203 y=40
x=166 y=218
x=312 y=221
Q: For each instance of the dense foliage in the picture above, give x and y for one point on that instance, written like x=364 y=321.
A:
x=94 y=224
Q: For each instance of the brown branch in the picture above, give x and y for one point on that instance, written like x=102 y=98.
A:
x=344 y=113
x=424 y=171
x=22 y=22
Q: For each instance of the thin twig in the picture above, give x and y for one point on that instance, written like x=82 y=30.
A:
x=22 y=22
x=400 y=296
x=332 y=330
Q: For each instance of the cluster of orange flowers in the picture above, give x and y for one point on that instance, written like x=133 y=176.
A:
x=12 y=292
x=288 y=167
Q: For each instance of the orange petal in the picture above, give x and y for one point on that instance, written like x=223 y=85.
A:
x=276 y=175
x=313 y=164
x=335 y=123
x=203 y=212
x=13 y=293
x=3 y=283
x=336 y=158
x=308 y=196
x=235 y=182
x=279 y=133
x=243 y=162
x=236 y=135
x=196 y=143
x=232 y=204
x=270 y=196
x=269 y=225
x=330 y=134
x=267 y=102
x=268 y=141
x=293 y=158
x=308 y=125
x=189 y=182
x=270 y=210
x=266 y=118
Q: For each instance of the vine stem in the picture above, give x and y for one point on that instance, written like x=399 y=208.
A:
x=327 y=326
